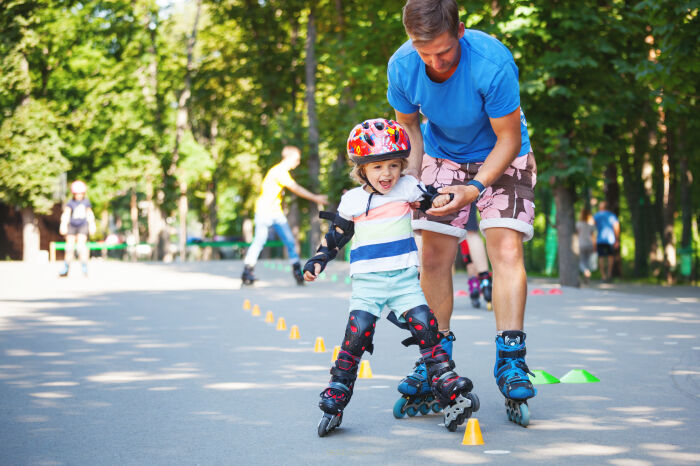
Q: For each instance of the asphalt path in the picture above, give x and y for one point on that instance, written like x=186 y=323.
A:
x=160 y=364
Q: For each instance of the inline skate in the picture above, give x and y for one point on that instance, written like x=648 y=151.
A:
x=475 y=291
x=486 y=287
x=64 y=270
x=298 y=274
x=511 y=373
x=337 y=395
x=248 y=278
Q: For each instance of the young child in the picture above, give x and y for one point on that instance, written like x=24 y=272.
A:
x=77 y=223
x=383 y=267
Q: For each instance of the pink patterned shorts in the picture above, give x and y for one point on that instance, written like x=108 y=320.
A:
x=507 y=203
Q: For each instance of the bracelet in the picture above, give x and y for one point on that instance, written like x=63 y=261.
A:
x=479 y=186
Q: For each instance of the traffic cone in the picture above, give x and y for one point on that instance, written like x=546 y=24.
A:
x=294 y=333
x=542 y=377
x=459 y=293
x=537 y=291
x=246 y=304
x=281 y=324
x=269 y=317
x=578 y=376
x=336 y=350
x=365 y=370
x=256 y=310
x=472 y=434
x=320 y=346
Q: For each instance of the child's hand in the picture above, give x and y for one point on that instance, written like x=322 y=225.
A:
x=309 y=277
x=441 y=200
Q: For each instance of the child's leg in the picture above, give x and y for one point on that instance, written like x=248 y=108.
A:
x=358 y=339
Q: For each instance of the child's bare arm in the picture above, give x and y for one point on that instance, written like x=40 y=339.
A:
x=442 y=200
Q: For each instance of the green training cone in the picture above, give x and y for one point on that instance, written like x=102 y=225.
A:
x=579 y=376
x=542 y=378
x=347 y=280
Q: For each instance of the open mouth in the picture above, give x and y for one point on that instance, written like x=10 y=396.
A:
x=385 y=185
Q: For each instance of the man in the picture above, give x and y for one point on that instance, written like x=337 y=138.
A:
x=476 y=146
x=268 y=213
x=608 y=240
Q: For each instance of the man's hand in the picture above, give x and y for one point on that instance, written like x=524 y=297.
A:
x=309 y=277
x=321 y=199
x=463 y=195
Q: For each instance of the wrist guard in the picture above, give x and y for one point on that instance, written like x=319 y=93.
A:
x=339 y=234
x=429 y=194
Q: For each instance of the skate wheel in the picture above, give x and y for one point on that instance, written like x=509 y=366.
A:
x=475 y=401
x=436 y=407
x=489 y=306
x=411 y=411
x=424 y=409
x=524 y=415
x=323 y=426
x=400 y=408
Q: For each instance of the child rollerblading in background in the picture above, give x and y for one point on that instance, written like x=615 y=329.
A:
x=383 y=267
x=77 y=223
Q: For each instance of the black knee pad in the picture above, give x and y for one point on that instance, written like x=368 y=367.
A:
x=359 y=333
x=423 y=326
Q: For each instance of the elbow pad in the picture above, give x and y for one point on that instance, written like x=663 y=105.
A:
x=334 y=240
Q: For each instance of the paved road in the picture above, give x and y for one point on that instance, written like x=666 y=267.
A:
x=159 y=364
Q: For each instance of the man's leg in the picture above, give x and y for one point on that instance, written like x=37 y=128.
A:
x=261 y=228
x=285 y=234
x=438 y=254
x=505 y=250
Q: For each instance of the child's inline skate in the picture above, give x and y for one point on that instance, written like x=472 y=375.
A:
x=416 y=395
x=298 y=274
x=337 y=395
x=248 y=278
x=486 y=287
x=511 y=374
x=475 y=291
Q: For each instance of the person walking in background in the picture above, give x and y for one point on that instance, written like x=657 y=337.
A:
x=585 y=230
x=77 y=223
x=477 y=147
x=268 y=213
x=607 y=240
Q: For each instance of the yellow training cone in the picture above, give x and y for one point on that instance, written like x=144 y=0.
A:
x=336 y=350
x=319 y=347
x=365 y=370
x=281 y=324
x=246 y=304
x=256 y=310
x=269 y=317
x=294 y=333
x=472 y=434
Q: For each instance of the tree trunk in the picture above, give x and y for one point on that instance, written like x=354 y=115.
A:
x=210 y=207
x=182 y=208
x=30 y=235
x=686 y=182
x=134 y=211
x=568 y=259
x=612 y=197
x=314 y=162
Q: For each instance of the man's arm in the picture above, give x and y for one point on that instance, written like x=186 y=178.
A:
x=411 y=123
x=306 y=194
x=508 y=144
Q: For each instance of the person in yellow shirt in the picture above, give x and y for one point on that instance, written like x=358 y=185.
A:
x=268 y=213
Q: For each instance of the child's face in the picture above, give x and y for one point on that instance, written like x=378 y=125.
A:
x=383 y=175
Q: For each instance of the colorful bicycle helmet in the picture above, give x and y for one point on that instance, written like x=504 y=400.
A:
x=377 y=140
x=78 y=187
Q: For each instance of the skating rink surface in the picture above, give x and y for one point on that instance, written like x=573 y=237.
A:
x=159 y=364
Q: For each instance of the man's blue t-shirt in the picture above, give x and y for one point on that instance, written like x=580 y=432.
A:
x=605 y=224
x=484 y=85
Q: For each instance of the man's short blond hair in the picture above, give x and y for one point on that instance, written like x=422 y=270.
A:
x=424 y=20
x=289 y=151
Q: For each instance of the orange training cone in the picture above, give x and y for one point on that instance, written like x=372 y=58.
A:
x=472 y=434
x=269 y=317
x=294 y=333
x=256 y=310
x=320 y=346
x=336 y=350
x=365 y=370
x=246 y=304
x=281 y=324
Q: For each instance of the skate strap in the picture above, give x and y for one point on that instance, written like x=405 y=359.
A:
x=511 y=354
x=434 y=368
x=343 y=374
x=338 y=386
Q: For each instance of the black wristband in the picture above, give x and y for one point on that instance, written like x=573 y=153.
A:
x=479 y=186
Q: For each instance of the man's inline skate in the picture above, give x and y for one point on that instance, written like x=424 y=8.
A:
x=486 y=286
x=248 y=278
x=511 y=374
x=64 y=270
x=298 y=274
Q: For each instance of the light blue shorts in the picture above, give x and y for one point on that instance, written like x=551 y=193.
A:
x=399 y=290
